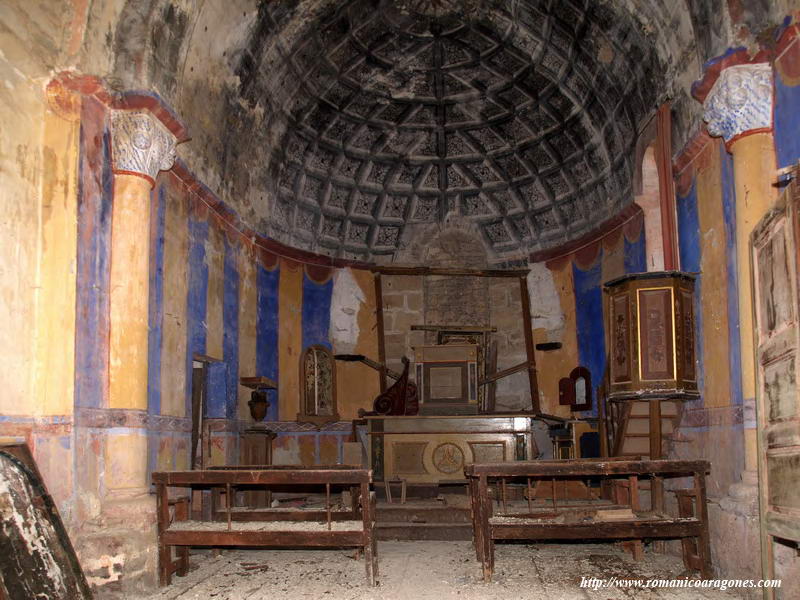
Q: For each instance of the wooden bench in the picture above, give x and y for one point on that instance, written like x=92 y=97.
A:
x=264 y=528
x=553 y=523
x=220 y=505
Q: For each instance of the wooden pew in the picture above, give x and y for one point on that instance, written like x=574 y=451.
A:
x=276 y=528
x=690 y=525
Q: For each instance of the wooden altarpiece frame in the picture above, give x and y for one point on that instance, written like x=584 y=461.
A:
x=525 y=306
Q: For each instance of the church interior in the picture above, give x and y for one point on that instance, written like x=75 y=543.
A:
x=385 y=275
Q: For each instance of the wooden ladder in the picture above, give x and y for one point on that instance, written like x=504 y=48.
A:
x=630 y=426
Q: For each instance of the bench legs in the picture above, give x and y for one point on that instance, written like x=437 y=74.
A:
x=371 y=563
x=368 y=502
x=167 y=566
x=483 y=538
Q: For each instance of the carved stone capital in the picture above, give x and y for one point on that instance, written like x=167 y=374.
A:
x=140 y=144
x=740 y=101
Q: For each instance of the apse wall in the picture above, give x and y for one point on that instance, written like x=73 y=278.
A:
x=576 y=274
x=217 y=294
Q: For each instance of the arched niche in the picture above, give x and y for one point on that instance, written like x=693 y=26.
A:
x=317 y=386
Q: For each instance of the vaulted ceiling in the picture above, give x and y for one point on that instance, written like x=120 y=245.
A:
x=520 y=119
x=357 y=128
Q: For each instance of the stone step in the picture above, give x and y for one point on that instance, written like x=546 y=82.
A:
x=401 y=530
x=408 y=513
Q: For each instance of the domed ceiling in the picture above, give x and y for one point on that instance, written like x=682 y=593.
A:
x=516 y=118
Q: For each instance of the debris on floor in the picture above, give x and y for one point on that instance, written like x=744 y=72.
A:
x=429 y=571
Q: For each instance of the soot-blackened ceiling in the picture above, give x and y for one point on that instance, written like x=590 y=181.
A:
x=517 y=117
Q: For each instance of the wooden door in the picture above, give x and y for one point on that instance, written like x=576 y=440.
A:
x=774 y=255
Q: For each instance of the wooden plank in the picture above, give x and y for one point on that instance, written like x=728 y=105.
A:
x=336 y=467
x=381 y=330
x=704 y=543
x=218 y=477
x=666 y=195
x=484 y=514
x=36 y=556
x=368 y=513
x=258 y=382
x=162 y=522
x=437 y=328
x=263 y=538
x=387 y=270
x=595 y=530
x=566 y=468
x=266 y=514
x=505 y=373
x=656 y=445
x=527 y=327
x=633 y=491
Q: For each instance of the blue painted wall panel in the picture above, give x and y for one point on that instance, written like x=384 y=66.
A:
x=197 y=300
x=636 y=254
x=95 y=201
x=158 y=215
x=267 y=332
x=216 y=390
x=729 y=216
x=690 y=254
x=589 y=322
x=316 y=312
x=787 y=122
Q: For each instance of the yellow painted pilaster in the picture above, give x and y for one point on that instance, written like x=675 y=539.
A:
x=176 y=287
x=290 y=338
x=248 y=322
x=125 y=466
x=714 y=300
x=54 y=374
x=753 y=173
x=128 y=295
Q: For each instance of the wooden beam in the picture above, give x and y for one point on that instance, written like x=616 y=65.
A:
x=385 y=270
x=469 y=328
x=587 y=467
x=381 y=330
x=504 y=373
x=254 y=476
x=258 y=382
x=666 y=186
x=527 y=327
x=581 y=531
x=656 y=444
x=203 y=537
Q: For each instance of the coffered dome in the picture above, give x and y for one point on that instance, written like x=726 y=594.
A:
x=521 y=121
x=365 y=123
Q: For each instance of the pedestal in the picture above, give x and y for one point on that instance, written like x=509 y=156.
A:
x=255 y=448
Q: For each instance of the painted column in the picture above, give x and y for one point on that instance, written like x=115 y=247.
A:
x=739 y=108
x=141 y=147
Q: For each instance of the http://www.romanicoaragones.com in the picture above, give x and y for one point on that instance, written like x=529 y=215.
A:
x=598 y=583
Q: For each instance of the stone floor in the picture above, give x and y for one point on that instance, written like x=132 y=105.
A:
x=427 y=571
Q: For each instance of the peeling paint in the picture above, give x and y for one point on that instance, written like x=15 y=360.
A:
x=346 y=302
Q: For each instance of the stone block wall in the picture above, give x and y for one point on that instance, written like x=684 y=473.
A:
x=402 y=308
x=405 y=304
x=512 y=392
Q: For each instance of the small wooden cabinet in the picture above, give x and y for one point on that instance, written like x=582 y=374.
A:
x=447 y=376
x=255 y=449
x=651 y=335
